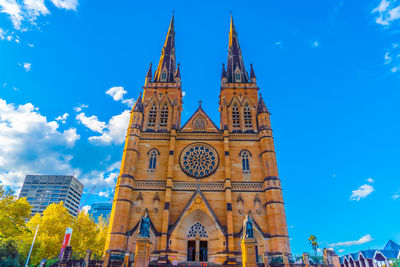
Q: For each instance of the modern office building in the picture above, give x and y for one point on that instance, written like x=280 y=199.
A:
x=43 y=190
x=100 y=209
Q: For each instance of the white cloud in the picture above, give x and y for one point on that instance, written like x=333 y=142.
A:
x=103 y=181
x=387 y=12
x=86 y=208
x=28 y=10
x=341 y=250
x=36 y=7
x=370 y=180
x=362 y=192
x=80 y=107
x=364 y=239
x=315 y=44
x=115 y=131
x=278 y=43
x=91 y=122
x=104 y=194
x=395 y=69
x=129 y=102
x=66 y=4
x=62 y=118
x=116 y=92
x=396 y=195
x=388 y=58
x=30 y=144
x=13 y=9
x=27 y=66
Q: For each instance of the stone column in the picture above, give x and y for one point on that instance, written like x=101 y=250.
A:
x=142 y=252
x=249 y=252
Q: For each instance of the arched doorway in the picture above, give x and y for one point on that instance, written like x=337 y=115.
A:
x=197 y=237
x=197 y=244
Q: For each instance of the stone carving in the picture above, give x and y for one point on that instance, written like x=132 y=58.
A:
x=248 y=227
x=144 y=226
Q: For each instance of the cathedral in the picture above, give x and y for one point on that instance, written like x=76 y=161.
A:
x=196 y=180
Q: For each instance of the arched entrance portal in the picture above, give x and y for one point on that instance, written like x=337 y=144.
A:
x=197 y=244
x=197 y=237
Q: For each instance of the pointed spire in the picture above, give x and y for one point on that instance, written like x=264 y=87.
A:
x=178 y=71
x=261 y=107
x=252 y=73
x=166 y=66
x=138 y=107
x=223 y=75
x=236 y=72
x=149 y=75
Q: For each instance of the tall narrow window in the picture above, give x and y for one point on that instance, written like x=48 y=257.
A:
x=164 y=116
x=153 y=159
x=163 y=76
x=235 y=117
x=152 y=115
x=245 y=155
x=247 y=117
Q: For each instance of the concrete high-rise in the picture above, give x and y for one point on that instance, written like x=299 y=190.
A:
x=43 y=190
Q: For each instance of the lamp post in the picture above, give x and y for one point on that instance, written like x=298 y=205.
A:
x=33 y=242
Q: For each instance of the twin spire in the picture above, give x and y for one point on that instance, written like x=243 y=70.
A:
x=167 y=72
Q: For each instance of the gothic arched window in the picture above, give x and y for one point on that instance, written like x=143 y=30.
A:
x=163 y=76
x=245 y=156
x=164 y=116
x=153 y=154
x=199 y=229
x=235 y=117
x=152 y=115
x=238 y=76
x=247 y=117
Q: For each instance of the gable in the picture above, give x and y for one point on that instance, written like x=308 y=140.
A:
x=199 y=122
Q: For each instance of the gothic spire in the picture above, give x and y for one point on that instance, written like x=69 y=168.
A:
x=236 y=71
x=138 y=107
x=149 y=74
x=223 y=75
x=261 y=107
x=166 y=66
x=252 y=73
x=178 y=71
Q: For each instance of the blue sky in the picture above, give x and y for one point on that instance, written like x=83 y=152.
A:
x=328 y=70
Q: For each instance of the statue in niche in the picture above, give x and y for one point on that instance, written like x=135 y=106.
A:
x=144 y=226
x=248 y=227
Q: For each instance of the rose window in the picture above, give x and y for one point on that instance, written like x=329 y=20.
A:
x=199 y=160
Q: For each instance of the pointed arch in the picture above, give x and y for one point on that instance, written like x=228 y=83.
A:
x=153 y=157
x=247 y=116
x=245 y=157
x=151 y=121
x=164 y=115
x=235 y=116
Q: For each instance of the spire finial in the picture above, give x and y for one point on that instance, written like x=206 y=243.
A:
x=166 y=66
x=236 y=72
x=200 y=103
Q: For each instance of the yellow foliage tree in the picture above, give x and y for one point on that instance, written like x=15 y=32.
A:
x=88 y=235
x=13 y=213
x=53 y=222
